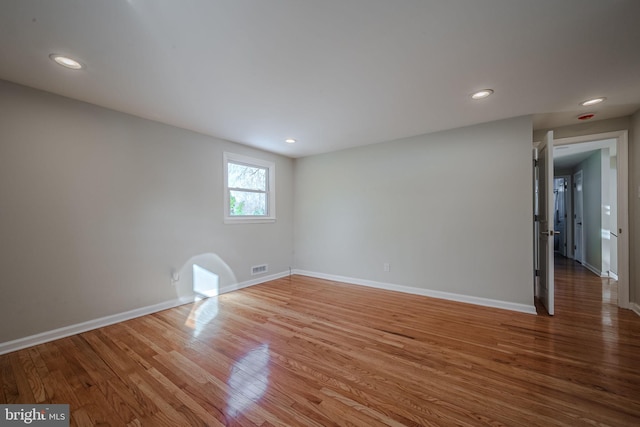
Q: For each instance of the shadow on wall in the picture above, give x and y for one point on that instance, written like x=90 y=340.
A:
x=202 y=276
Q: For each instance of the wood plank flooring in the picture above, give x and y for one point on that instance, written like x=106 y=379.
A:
x=300 y=351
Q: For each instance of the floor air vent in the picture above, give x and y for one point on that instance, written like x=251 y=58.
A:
x=258 y=269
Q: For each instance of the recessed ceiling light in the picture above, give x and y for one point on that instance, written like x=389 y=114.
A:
x=592 y=101
x=482 y=94
x=66 y=62
x=290 y=141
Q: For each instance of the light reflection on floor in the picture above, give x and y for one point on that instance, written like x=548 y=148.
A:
x=248 y=380
x=206 y=284
x=202 y=313
x=579 y=290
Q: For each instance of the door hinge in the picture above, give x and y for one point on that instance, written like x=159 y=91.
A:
x=537 y=273
x=535 y=162
x=536 y=218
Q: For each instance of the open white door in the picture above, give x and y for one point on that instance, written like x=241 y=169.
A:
x=545 y=233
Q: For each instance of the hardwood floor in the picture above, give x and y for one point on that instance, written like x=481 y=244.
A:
x=304 y=351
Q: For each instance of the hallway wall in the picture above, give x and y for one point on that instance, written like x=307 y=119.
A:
x=634 y=207
x=592 y=218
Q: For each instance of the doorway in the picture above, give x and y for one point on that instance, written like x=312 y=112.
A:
x=561 y=239
x=605 y=241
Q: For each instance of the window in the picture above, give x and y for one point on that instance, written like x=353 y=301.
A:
x=249 y=189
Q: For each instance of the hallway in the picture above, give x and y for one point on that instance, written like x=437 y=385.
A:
x=581 y=294
x=588 y=320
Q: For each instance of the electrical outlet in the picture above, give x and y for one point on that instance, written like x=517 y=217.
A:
x=386 y=266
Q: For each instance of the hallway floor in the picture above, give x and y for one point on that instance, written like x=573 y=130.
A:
x=582 y=294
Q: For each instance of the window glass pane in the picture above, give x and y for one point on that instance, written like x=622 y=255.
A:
x=248 y=177
x=242 y=203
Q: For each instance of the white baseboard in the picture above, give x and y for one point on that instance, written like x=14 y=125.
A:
x=20 y=343
x=486 y=302
x=635 y=307
x=594 y=270
x=613 y=275
x=254 y=282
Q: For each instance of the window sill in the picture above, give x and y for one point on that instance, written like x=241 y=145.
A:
x=249 y=220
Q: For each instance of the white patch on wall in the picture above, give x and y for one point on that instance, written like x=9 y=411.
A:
x=259 y=269
x=205 y=282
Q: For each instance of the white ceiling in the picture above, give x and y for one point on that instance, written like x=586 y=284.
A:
x=330 y=73
x=567 y=156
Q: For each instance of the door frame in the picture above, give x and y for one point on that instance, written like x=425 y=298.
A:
x=568 y=206
x=622 y=194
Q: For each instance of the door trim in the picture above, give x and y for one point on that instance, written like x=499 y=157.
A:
x=622 y=162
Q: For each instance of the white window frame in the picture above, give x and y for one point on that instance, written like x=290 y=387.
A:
x=270 y=191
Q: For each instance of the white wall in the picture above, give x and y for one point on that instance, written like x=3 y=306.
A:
x=587 y=128
x=634 y=207
x=98 y=207
x=592 y=209
x=450 y=211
